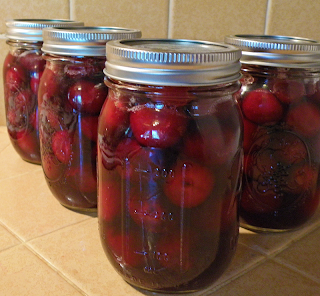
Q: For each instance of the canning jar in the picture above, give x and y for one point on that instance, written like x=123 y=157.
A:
x=22 y=69
x=71 y=94
x=280 y=102
x=169 y=162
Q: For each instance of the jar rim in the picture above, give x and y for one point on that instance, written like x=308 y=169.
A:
x=277 y=50
x=83 y=41
x=172 y=62
x=31 y=29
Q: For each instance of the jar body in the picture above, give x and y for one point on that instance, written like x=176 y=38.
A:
x=71 y=95
x=169 y=162
x=22 y=69
x=281 y=110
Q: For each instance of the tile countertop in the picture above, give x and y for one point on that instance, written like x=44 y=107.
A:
x=46 y=249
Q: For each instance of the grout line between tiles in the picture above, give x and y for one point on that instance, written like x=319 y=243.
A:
x=59 y=272
x=294 y=268
x=236 y=276
x=23 y=241
x=310 y=228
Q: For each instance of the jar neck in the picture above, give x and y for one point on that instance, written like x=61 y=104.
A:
x=24 y=44
x=174 y=91
x=286 y=72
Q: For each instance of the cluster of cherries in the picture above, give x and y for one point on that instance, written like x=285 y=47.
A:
x=22 y=70
x=167 y=179
x=281 y=146
x=71 y=95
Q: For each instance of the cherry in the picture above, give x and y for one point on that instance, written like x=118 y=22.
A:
x=27 y=142
x=304 y=119
x=189 y=185
x=114 y=121
x=254 y=201
x=211 y=145
x=89 y=127
x=302 y=178
x=158 y=126
x=86 y=96
x=127 y=248
x=32 y=61
x=84 y=177
x=62 y=146
x=48 y=85
x=288 y=91
x=8 y=62
x=15 y=78
x=35 y=81
x=262 y=107
x=51 y=166
x=109 y=200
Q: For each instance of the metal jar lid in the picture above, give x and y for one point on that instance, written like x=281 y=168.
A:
x=84 y=41
x=172 y=62
x=277 y=51
x=31 y=29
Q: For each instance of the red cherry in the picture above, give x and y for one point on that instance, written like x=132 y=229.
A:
x=149 y=213
x=89 y=127
x=126 y=248
x=15 y=78
x=114 y=119
x=32 y=61
x=51 y=166
x=302 y=178
x=158 y=126
x=304 y=119
x=35 y=81
x=288 y=91
x=84 y=177
x=109 y=205
x=189 y=185
x=62 y=146
x=27 y=142
x=260 y=202
x=86 y=96
x=48 y=85
x=262 y=107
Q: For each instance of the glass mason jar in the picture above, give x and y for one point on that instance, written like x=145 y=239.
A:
x=280 y=102
x=71 y=94
x=169 y=162
x=22 y=69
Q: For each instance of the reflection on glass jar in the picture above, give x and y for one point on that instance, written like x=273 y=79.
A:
x=169 y=162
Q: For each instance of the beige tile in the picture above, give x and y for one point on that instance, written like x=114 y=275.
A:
x=304 y=255
x=23 y=273
x=29 y=209
x=243 y=260
x=3 y=50
x=7 y=239
x=294 y=18
x=149 y=16
x=269 y=279
x=11 y=162
x=33 y=9
x=77 y=252
x=270 y=243
x=4 y=139
x=213 y=19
